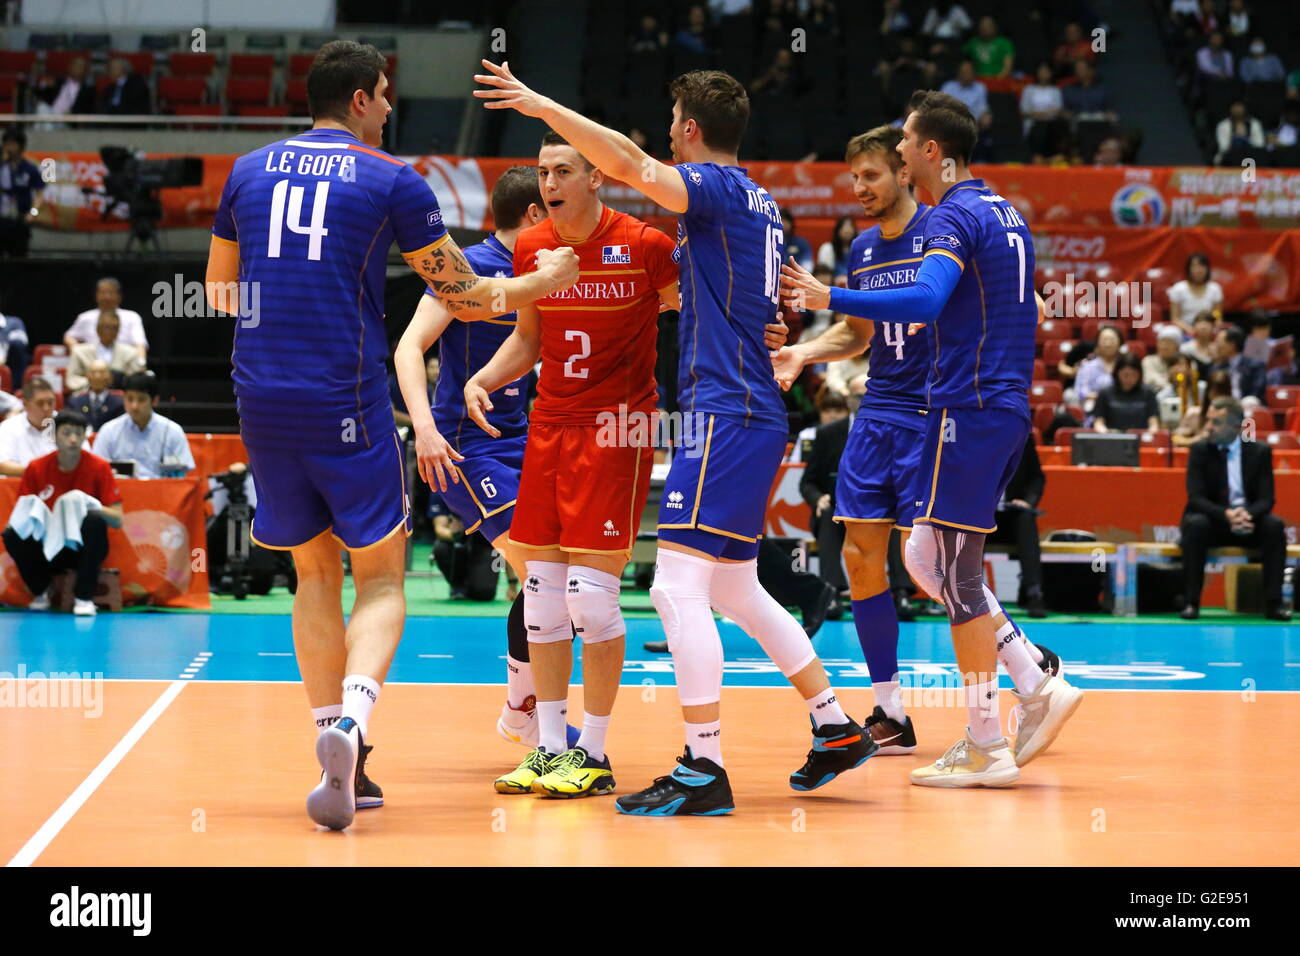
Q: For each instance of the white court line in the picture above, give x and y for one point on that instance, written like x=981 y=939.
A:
x=1223 y=664
x=59 y=819
x=275 y=653
x=436 y=655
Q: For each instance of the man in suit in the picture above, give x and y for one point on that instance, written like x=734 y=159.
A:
x=1230 y=503
x=1248 y=375
x=121 y=359
x=95 y=401
x=817 y=485
x=127 y=94
x=1018 y=525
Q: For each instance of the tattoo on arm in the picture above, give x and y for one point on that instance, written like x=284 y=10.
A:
x=450 y=276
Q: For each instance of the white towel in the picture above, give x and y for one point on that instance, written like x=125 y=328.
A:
x=57 y=529
x=29 y=517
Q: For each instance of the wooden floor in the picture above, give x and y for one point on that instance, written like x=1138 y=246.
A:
x=1151 y=778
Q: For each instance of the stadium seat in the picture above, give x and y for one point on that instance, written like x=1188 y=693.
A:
x=1292 y=422
x=1282 y=397
x=1045 y=391
x=9 y=90
x=300 y=64
x=191 y=64
x=295 y=97
x=260 y=65
x=1043 y=415
x=391 y=68
x=17 y=61
x=40 y=352
x=1136 y=347
x=6 y=379
x=1146 y=334
x=94 y=42
x=1055 y=351
x=56 y=61
x=47 y=41
x=142 y=64
x=1040 y=371
x=1053 y=329
x=1150 y=439
x=159 y=42
x=1065 y=436
x=247 y=91
x=1263 y=419
x=1282 y=441
x=1076 y=412
x=175 y=92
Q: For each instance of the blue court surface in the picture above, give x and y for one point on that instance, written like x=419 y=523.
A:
x=470 y=650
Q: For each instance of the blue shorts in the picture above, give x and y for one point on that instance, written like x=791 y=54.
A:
x=484 y=498
x=358 y=495
x=970 y=455
x=716 y=502
x=877 y=479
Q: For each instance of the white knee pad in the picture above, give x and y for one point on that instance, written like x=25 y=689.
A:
x=592 y=598
x=922 y=559
x=681 y=596
x=546 y=616
x=737 y=594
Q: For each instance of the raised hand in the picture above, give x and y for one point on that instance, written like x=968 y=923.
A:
x=508 y=93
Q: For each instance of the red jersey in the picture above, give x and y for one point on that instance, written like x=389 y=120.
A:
x=93 y=475
x=598 y=336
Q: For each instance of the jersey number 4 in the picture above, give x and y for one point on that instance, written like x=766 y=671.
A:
x=898 y=337
x=315 y=229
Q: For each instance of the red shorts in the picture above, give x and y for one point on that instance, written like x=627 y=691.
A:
x=576 y=495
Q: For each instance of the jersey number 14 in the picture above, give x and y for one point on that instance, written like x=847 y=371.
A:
x=315 y=229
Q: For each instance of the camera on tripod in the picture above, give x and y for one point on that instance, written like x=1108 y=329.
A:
x=134 y=182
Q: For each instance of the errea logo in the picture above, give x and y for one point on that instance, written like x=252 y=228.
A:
x=674 y=500
x=610 y=531
x=866 y=254
x=532 y=584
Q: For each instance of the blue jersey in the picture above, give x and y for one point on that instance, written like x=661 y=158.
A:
x=314 y=217
x=465 y=347
x=900 y=363
x=984 y=336
x=729 y=250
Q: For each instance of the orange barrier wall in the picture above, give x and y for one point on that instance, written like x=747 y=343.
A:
x=154 y=550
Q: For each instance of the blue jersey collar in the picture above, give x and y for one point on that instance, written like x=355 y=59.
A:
x=968 y=183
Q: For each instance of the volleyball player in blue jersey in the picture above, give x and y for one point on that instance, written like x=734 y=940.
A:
x=729 y=249
x=307 y=223
x=975 y=287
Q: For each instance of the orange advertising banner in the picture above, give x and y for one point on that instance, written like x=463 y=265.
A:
x=163 y=522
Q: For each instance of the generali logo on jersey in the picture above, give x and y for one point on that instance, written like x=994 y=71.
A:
x=615 y=255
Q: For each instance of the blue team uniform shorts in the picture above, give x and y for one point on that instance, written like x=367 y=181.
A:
x=877 y=479
x=716 y=501
x=359 y=495
x=970 y=455
x=484 y=498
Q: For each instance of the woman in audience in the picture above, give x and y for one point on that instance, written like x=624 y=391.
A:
x=1126 y=403
x=1155 y=367
x=1096 y=370
x=1044 y=115
x=1196 y=295
x=834 y=252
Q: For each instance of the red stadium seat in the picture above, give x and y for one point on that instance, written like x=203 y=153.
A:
x=1044 y=392
x=1090 y=327
x=1137 y=348
x=56 y=61
x=1282 y=397
x=1040 y=370
x=1145 y=334
x=1043 y=415
x=295 y=97
x=177 y=91
x=41 y=351
x=245 y=91
x=300 y=64
x=391 y=69
x=1037 y=434
x=141 y=63
x=251 y=65
x=1076 y=411
x=9 y=88
x=1053 y=329
x=6 y=379
x=1055 y=351
x=1065 y=436
x=1263 y=420
x=1154 y=313
x=1180 y=457
x=1157 y=439
x=1292 y=420
x=17 y=61
x=1282 y=441
x=191 y=64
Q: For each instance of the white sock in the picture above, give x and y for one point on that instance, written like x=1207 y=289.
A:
x=982 y=707
x=826 y=709
x=996 y=608
x=1032 y=648
x=519 y=682
x=705 y=740
x=552 y=726
x=592 y=738
x=325 y=717
x=359 y=695
x=889 y=696
x=1013 y=653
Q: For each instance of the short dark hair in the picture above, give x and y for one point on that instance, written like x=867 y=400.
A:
x=1203 y=259
x=827 y=398
x=946 y=120
x=552 y=138
x=340 y=69
x=882 y=139
x=70 y=416
x=15 y=134
x=146 y=382
x=1232 y=406
x=1125 y=360
x=1234 y=335
x=513 y=193
x=718 y=103
x=36 y=384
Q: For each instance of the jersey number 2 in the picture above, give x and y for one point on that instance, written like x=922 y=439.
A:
x=584 y=350
x=315 y=229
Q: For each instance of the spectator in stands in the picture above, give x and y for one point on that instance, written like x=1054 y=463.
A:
x=1156 y=366
x=72 y=93
x=944 y=25
x=1259 y=341
x=994 y=54
x=693 y=37
x=68 y=470
x=465 y=561
x=1238 y=24
x=1288 y=374
x=1088 y=99
x=1194 y=426
x=1247 y=375
x=1214 y=60
x=1238 y=135
x=834 y=252
x=10 y=405
x=1287 y=134
x=794 y=244
x=1017 y=523
x=1076 y=47
x=967 y=87
x=154 y=442
x=30 y=435
x=649 y=37
x=1182 y=392
x=779 y=78
x=122 y=359
x=1110 y=152
x=1043 y=111
x=13 y=345
x=1196 y=294
x=841 y=374
x=1068 y=367
x=96 y=401
x=1207 y=17
x=22 y=192
x=1200 y=347
x=815 y=322
x=822 y=16
x=1126 y=403
x=895 y=20
x=1230 y=502
x=817 y=485
x=126 y=93
x=1096 y=372
x=1261 y=66
x=108 y=300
